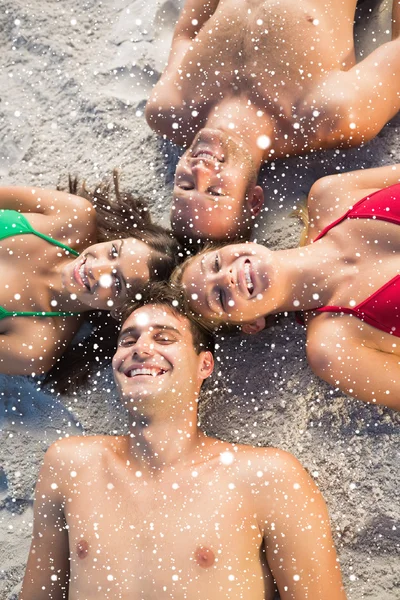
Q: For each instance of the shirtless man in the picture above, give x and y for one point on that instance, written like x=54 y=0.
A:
x=167 y=512
x=254 y=81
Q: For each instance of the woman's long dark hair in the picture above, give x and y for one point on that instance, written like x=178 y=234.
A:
x=118 y=215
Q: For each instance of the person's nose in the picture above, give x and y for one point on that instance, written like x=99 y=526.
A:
x=139 y=351
x=229 y=277
x=143 y=347
x=202 y=175
x=101 y=273
x=225 y=278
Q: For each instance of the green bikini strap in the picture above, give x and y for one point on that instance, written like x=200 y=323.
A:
x=10 y=313
x=56 y=243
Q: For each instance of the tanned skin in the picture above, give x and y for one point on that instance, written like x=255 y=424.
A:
x=251 y=82
x=346 y=266
x=167 y=512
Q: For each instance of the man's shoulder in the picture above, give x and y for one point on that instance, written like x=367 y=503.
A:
x=79 y=449
x=269 y=458
x=254 y=459
x=272 y=473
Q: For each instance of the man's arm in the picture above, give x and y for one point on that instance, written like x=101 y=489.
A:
x=165 y=97
x=358 y=370
x=355 y=105
x=192 y=18
x=47 y=571
x=374 y=91
x=297 y=535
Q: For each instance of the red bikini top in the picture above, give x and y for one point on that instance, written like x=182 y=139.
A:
x=382 y=308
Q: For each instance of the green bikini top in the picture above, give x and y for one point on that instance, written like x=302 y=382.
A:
x=14 y=223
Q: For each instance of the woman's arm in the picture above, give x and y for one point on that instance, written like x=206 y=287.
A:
x=340 y=357
x=46 y=202
x=34 y=345
x=365 y=179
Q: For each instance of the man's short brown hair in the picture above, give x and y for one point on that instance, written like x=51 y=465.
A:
x=162 y=293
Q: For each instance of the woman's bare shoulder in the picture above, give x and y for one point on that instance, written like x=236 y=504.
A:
x=330 y=198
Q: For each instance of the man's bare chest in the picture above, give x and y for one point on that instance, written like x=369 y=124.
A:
x=180 y=538
x=265 y=49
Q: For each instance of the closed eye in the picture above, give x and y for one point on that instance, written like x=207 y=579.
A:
x=216 y=265
x=214 y=192
x=221 y=299
x=125 y=342
x=164 y=339
x=117 y=282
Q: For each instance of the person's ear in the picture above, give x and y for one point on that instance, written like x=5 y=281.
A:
x=207 y=364
x=256 y=200
x=254 y=327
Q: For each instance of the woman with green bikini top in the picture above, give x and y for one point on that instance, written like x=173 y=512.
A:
x=13 y=223
x=63 y=255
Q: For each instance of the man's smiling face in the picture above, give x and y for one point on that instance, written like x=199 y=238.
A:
x=156 y=361
x=214 y=197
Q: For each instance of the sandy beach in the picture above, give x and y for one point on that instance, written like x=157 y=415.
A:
x=73 y=85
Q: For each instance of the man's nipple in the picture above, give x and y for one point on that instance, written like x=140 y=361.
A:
x=204 y=557
x=82 y=548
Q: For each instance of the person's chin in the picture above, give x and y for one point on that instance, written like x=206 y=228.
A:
x=134 y=399
x=93 y=302
x=141 y=386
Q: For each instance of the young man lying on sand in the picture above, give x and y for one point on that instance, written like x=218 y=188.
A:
x=252 y=82
x=167 y=512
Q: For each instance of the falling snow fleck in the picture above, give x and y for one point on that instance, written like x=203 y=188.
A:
x=263 y=142
x=105 y=281
x=226 y=458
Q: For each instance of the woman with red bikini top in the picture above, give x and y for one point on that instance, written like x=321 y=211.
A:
x=346 y=280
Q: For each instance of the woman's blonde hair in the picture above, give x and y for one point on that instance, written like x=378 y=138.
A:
x=302 y=213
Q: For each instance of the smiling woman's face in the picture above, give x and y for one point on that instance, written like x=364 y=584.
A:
x=229 y=284
x=102 y=274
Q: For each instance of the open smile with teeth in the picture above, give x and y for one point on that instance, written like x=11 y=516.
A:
x=247 y=275
x=151 y=372
x=84 y=277
x=81 y=276
x=206 y=154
